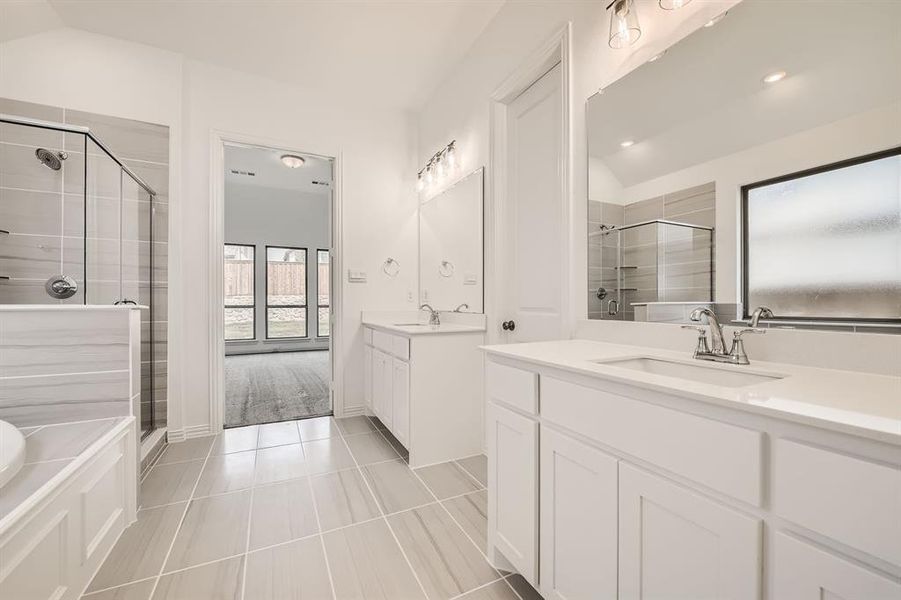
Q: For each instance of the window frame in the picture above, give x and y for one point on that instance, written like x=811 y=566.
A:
x=252 y=306
x=328 y=253
x=745 y=189
x=305 y=306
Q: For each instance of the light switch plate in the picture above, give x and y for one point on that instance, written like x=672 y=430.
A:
x=356 y=276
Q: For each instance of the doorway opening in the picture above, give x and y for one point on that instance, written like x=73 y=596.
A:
x=277 y=282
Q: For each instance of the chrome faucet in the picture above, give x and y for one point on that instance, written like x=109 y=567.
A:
x=434 y=317
x=716 y=351
x=461 y=308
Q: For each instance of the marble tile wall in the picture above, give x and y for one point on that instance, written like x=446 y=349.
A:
x=52 y=231
x=63 y=364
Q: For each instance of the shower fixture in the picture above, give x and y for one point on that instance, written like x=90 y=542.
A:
x=50 y=159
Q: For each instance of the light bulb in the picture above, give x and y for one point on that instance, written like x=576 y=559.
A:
x=420 y=182
x=774 y=77
x=716 y=19
x=440 y=170
x=624 y=27
x=451 y=156
x=429 y=176
x=627 y=143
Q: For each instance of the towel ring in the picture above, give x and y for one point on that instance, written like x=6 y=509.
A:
x=391 y=267
x=446 y=269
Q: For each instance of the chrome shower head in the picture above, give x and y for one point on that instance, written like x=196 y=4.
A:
x=50 y=159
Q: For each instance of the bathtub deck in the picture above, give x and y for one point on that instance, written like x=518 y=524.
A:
x=49 y=450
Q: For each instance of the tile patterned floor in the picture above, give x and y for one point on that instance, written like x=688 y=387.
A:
x=314 y=509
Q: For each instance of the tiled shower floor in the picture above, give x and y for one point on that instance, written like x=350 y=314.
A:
x=312 y=509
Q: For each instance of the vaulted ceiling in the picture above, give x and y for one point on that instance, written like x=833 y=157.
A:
x=393 y=53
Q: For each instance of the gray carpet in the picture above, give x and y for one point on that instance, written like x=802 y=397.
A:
x=263 y=388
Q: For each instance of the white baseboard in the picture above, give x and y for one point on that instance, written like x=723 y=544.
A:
x=352 y=411
x=180 y=435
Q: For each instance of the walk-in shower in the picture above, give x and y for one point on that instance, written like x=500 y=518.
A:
x=76 y=227
x=656 y=261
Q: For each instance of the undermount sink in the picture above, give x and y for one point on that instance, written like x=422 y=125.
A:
x=714 y=375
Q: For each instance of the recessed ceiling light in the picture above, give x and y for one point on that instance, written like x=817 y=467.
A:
x=627 y=143
x=657 y=57
x=716 y=19
x=774 y=77
x=292 y=161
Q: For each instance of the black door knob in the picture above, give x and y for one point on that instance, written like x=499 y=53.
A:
x=508 y=325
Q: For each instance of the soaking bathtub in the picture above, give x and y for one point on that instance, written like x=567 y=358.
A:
x=73 y=493
x=12 y=451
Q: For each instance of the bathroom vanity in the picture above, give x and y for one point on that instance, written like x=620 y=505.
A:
x=608 y=479
x=424 y=383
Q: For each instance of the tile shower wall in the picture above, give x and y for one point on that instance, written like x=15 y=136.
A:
x=62 y=364
x=35 y=211
x=683 y=256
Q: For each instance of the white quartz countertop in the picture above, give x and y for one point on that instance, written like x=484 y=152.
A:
x=403 y=328
x=852 y=402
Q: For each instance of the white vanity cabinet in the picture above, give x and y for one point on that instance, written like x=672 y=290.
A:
x=638 y=494
x=427 y=390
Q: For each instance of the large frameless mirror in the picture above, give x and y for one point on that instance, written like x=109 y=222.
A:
x=451 y=247
x=744 y=168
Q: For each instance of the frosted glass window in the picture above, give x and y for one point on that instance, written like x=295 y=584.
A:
x=827 y=245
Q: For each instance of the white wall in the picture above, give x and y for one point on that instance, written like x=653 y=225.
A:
x=263 y=216
x=376 y=150
x=460 y=107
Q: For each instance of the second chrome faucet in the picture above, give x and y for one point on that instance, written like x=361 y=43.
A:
x=716 y=350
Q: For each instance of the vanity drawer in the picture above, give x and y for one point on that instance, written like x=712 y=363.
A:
x=849 y=499
x=400 y=347
x=383 y=341
x=512 y=386
x=719 y=455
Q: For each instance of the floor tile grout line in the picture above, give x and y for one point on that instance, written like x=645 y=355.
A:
x=475 y=589
x=387 y=523
x=468 y=472
x=249 y=516
x=116 y=587
x=454 y=520
x=181 y=521
x=328 y=568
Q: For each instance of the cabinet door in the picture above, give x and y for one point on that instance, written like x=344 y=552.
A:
x=677 y=544
x=367 y=376
x=381 y=386
x=513 y=489
x=578 y=520
x=401 y=401
x=804 y=572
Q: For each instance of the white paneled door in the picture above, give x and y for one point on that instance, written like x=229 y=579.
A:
x=531 y=233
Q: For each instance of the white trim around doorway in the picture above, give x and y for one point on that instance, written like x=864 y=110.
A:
x=218 y=140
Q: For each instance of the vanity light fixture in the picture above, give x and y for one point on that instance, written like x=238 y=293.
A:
x=442 y=164
x=624 y=27
x=774 y=77
x=716 y=19
x=627 y=143
x=292 y=161
x=672 y=4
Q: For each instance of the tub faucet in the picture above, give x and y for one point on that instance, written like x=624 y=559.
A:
x=434 y=317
